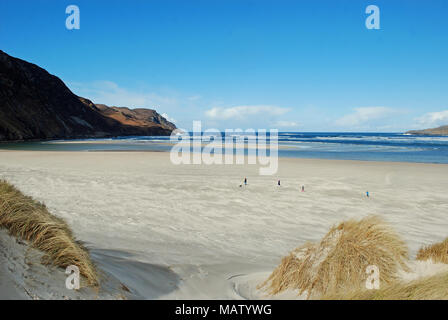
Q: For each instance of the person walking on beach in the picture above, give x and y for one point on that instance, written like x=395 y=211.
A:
x=279 y=183
x=367 y=194
x=245 y=181
x=303 y=188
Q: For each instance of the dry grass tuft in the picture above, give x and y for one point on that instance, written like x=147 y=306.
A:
x=429 y=288
x=30 y=220
x=437 y=252
x=340 y=260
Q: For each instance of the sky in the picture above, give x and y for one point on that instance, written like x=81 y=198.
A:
x=291 y=65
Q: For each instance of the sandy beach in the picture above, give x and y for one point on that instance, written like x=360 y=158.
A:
x=191 y=232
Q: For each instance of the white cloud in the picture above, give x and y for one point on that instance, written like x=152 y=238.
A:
x=285 y=124
x=167 y=117
x=364 y=116
x=194 y=98
x=242 y=112
x=110 y=93
x=433 y=119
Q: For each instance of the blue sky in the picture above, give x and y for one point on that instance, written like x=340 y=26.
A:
x=291 y=65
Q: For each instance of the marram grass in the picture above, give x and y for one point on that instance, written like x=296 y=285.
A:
x=338 y=263
x=30 y=220
x=437 y=252
x=429 y=288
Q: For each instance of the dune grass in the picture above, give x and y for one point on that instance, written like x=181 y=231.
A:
x=30 y=220
x=437 y=252
x=428 y=288
x=338 y=263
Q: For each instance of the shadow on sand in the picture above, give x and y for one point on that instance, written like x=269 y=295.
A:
x=144 y=280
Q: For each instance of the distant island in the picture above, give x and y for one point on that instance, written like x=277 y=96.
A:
x=440 y=131
x=35 y=105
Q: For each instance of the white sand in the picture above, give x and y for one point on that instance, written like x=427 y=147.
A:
x=190 y=232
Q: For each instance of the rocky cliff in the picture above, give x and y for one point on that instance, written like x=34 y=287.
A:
x=36 y=105
x=440 y=131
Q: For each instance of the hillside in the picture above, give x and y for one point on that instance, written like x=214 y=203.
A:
x=440 y=131
x=35 y=105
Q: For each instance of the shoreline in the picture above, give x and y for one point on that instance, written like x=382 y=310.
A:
x=378 y=147
x=166 y=152
x=106 y=138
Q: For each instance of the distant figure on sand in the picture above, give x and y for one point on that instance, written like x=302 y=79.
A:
x=303 y=188
x=367 y=194
x=278 y=182
x=245 y=181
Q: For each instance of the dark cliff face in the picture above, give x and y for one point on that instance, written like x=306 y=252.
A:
x=37 y=105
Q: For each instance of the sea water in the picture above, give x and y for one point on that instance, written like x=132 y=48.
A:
x=318 y=145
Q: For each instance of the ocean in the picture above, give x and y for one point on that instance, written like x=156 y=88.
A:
x=395 y=147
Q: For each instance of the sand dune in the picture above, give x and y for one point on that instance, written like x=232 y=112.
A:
x=339 y=261
x=22 y=276
x=145 y=219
